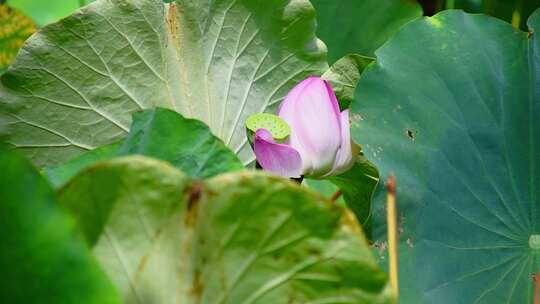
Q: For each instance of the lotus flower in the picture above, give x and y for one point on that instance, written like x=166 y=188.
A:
x=319 y=144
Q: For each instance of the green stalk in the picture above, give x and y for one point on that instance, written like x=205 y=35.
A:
x=391 y=219
x=516 y=15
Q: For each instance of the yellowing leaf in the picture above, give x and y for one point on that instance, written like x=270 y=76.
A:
x=15 y=28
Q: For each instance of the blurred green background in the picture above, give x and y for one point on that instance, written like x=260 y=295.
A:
x=44 y=12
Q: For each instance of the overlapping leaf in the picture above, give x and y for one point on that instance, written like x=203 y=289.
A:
x=236 y=238
x=43 y=259
x=187 y=144
x=451 y=107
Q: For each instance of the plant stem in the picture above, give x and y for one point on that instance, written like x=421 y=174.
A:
x=336 y=196
x=536 y=280
x=391 y=219
x=516 y=14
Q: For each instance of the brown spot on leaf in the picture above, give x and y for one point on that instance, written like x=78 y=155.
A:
x=146 y=257
x=411 y=134
x=171 y=20
x=140 y=268
x=401 y=224
x=356 y=117
x=381 y=247
x=194 y=196
x=314 y=251
x=197 y=287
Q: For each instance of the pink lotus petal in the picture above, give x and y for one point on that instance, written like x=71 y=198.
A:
x=279 y=159
x=287 y=105
x=344 y=158
x=312 y=111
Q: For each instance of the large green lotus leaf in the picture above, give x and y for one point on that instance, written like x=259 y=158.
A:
x=75 y=83
x=451 y=108
x=164 y=134
x=43 y=259
x=236 y=238
x=361 y=26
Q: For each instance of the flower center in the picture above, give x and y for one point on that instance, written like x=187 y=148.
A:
x=273 y=123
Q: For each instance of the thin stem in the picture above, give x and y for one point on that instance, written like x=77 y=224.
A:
x=391 y=219
x=536 y=280
x=336 y=196
x=516 y=14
